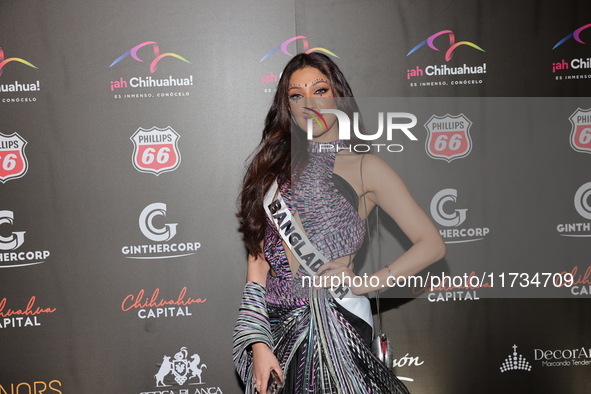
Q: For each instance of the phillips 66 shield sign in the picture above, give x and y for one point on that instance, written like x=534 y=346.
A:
x=580 y=135
x=156 y=150
x=13 y=162
x=449 y=137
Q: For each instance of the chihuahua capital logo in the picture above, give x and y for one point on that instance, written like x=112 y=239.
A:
x=575 y=34
x=157 y=55
x=284 y=44
x=452 y=44
x=4 y=62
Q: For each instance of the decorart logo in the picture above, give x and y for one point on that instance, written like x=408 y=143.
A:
x=515 y=362
x=169 y=86
x=564 y=357
x=21 y=317
x=447 y=217
x=156 y=151
x=150 y=224
x=13 y=162
x=13 y=242
x=582 y=202
x=448 y=137
x=580 y=135
x=183 y=370
x=156 y=306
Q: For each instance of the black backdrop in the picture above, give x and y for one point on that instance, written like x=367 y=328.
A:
x=95 y=300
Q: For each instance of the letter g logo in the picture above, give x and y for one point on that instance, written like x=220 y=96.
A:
x=147 y=223
x=446 y=219
x=582 y=197
x=18 y=237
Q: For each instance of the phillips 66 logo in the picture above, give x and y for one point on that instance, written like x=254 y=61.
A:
x=449 y=137
x=580 y=135
x=13 y=162
x=156 y=150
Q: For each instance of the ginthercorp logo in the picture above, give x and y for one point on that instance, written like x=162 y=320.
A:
x=156 y=306
x=392 y=124
x=580 y=135
x=148 y=228
x=10 y=257
x=27 y=317
x=582 y=202
x=13 y=162
x=575 y=64
x=515 y=362
x=183 y=370
x=152 y=225
x=448 y=137
x=444 y=69
x=168 y=87
x=445 y=213
x=155 y=150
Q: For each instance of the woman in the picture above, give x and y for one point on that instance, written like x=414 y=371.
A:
x=311 y=339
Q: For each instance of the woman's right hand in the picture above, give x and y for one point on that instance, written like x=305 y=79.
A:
x=263 y=362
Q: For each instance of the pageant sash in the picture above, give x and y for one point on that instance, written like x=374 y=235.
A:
x=307 y=255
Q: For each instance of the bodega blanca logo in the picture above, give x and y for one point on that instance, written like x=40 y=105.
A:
x=582 y=203
x=153 y=85
x=185 y=373
x=30 y=316
x=11 y=255
x=157 y=306
x=13 y=162
x=448 y=137
x=156 y=151
x=580 y=135
x=152 y=226
x=448 y=213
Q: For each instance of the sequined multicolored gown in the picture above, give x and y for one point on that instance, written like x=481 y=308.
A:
x=321 y=347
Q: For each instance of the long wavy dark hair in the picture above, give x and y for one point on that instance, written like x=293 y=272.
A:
x=281 y=150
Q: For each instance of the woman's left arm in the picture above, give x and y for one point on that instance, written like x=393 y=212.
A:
x=386 y=189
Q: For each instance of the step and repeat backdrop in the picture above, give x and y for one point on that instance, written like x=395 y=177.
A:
x=124 y=132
